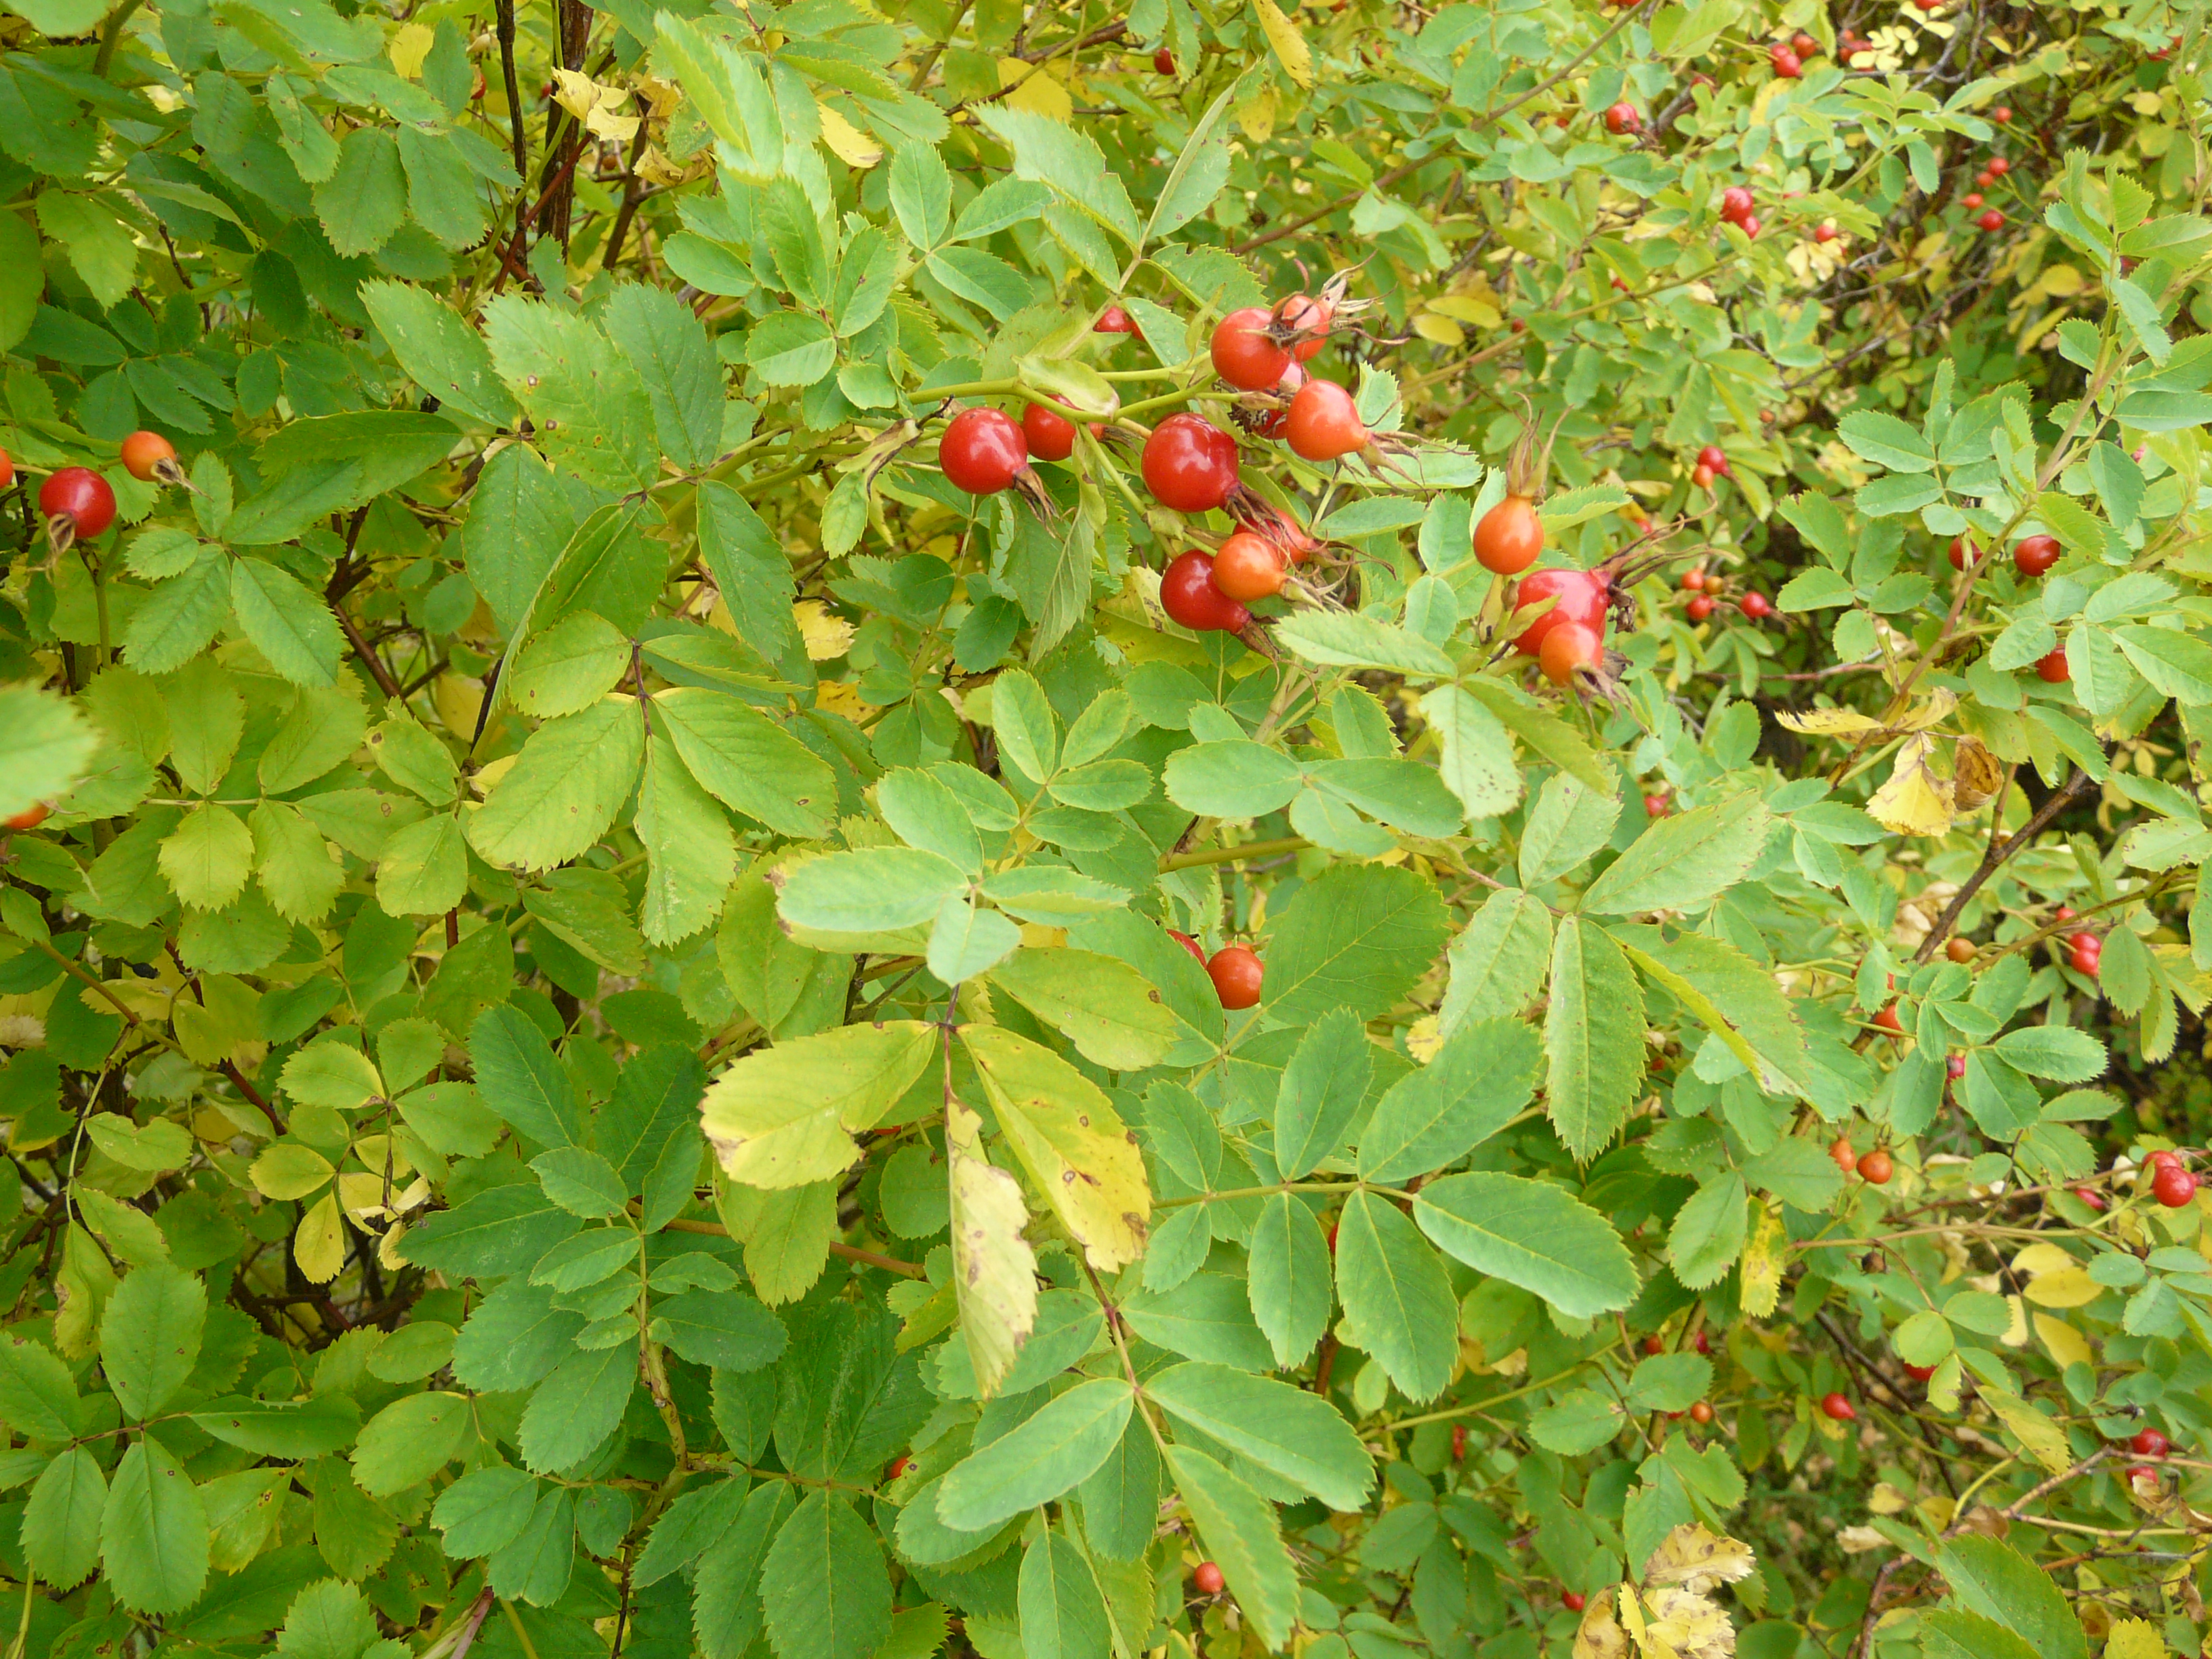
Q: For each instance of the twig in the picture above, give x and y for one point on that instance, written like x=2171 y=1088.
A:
x=2060 y=799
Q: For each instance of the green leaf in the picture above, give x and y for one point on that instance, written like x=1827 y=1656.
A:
x=791 y=347
x=1593 y=1038
x=1577 y=1423
x=410 y=1441
x=1288 y=1279
x=1049 y=152
x=37 y=1398
x=1236 y=778
x=785 y=1116
x=99 y=246
x=1545 y=732
x=149 y=1337
x=727 y=1329
x=1062 y=1614
x=669 y=347
x=207 y=858
x=1238 y=1532
x=364 y=201
x=1351 y=639
x=563 y=790
x=1477 y=765
x=2059 y=1053
x=1397 y=1300
x=1498 y=961
x=45 y=745
x=61 y=1521
x=587 y=402
x=289 y=626
x=575 y=1408
x=2176 y=665
x=686 y=1529
x=1669 y=1381
x=152 y=1532
x=1996 y=1582
x=285 y=1429
x=1322 y=1085
x=825 y=1592
x=1886 y=441
x=1681 y=863
x=329 y=1619
x=1473 y=1087
x=521 y=1079
x=748 y=762
x=1052 y=1451
x=1287 y=1430
x=1205 y=1316
x=1532 y=1233
x=439 y=350
x=1709 y=1232
x=1733 y=996
x=1357 y=936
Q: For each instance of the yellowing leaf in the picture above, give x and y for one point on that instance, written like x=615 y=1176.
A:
x=1976 y=774
x=457 y=698
x=318 y=1245
x=1035 y=89
x=1600 y=1635
x=783 y=1116
x=1442 y=330
x=290 y=1171
x=2039 y=1259
x=1290 y=48
x=1684 y=1624
x=1764 y=1256
x=1915 y=801
x=994 y=1270
x=1828 y=722
x=849 y=145
x=1077 y=1151
x=2039 y=1437
x=2066 y=1345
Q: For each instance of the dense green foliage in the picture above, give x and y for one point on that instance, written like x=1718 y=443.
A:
x=1682 y=1139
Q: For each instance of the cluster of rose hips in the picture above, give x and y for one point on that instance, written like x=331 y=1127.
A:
x=1789 y=56
x=2031 y=556
x=1737 y=207
x=1997 y=166
x=1707 y=589
x=1874 y=1167
x=1191 y=465
x=2084 y=950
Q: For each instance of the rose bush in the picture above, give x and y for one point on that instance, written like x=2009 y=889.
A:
x=850 y=831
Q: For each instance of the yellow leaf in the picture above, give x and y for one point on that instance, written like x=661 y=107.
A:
x=826 y=635
x=1686 y=1624
x=851 y=146
x=2065 y=1344
x=1600 y=1635
x=1077 y=1151
x=1422 y=1039
x=1290 y=48
x=1976 y=774
x=1430 y=325
x=2060 y=281
x=597 y=105
x=410 y=45
x=2071 y=1287
x=457 y=698
x=2135 y=1638
x=1467 y=308
x=319 y=1246
x=1915 y=801
x=1035 y=90
x=994 y=1270
x=2039 y=1259
x=1828 y=722
x=2015 y=1334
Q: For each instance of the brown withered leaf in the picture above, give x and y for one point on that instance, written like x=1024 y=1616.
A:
x=1976 y=775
